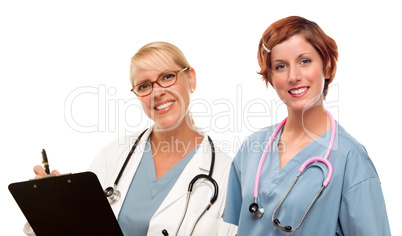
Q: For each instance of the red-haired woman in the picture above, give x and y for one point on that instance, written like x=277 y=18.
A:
x=337 y=190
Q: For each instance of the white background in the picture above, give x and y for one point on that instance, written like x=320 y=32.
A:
x=65 y=87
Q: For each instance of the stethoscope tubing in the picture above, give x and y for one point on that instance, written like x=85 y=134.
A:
x=190 y=189
x=305 y=164
x=202 y=176
x=128 y=158
x=326 y=156
x=258 y=174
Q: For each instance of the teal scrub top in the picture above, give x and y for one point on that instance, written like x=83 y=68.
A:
x=146 y=193
x=352 y=203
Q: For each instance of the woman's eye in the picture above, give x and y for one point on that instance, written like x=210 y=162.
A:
x=143 y=86
x=305 y=61
x=168 y=76
x=280 y=67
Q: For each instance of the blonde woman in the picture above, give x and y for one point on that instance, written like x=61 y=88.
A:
x=149 y=196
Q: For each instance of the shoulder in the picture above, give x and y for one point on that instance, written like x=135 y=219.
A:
x=348 y=146
x=258 y=140
x=223 y=163
x=222 y=159
x=262 y=134
x=348 y=142
x=252 y=148
x=353 y=158
x=114 y=151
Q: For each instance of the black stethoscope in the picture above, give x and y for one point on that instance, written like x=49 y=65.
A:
x=114 y=195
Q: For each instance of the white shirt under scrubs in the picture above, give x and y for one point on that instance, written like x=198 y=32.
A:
x=352 y=203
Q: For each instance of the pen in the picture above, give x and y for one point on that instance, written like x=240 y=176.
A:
x=45 y=161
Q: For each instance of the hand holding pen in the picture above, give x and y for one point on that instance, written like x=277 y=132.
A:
x=43 y=171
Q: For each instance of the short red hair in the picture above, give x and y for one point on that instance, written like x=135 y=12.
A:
x=285 y=28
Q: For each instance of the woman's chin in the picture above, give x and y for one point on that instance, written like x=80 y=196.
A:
x=166 y=125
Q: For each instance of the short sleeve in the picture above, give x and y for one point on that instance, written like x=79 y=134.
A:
x=233 y=198
x=363 y=211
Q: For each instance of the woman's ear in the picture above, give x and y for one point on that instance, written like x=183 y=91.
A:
x=192 y=79
x=327 y=74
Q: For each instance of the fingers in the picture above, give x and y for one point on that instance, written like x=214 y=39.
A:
x=40 y=171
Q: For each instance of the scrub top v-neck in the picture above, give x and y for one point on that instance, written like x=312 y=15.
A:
x=146 y=193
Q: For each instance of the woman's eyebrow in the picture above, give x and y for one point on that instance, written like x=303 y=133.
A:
x=148 y=80
x=303 y=54
x=278 y=60
x=298 y=57
x=142 y=81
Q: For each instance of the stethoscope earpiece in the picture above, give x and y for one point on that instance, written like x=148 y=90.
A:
x=286 y=228
x=256 y=210
x=112 y=195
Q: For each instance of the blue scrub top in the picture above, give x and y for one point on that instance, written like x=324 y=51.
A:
x=146 y=193
x=352 y=203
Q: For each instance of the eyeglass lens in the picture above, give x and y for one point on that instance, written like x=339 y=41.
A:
x=165 y=80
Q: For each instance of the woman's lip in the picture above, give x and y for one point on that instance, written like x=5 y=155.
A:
x=299 y=91
x=163 y=105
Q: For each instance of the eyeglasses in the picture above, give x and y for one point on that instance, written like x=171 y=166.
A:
x=164 y=80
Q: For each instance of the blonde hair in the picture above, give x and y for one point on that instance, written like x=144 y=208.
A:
x=160 y=56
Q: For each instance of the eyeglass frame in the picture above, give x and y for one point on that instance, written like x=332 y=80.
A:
x=156 y=81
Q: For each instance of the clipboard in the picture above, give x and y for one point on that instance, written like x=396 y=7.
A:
x=72 y=204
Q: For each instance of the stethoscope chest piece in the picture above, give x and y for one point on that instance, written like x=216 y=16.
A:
x=112 y=195
x=256 y=210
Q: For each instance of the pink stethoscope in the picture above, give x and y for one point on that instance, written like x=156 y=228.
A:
x=258 y=210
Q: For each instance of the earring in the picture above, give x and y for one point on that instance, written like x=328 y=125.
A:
x=192 y=90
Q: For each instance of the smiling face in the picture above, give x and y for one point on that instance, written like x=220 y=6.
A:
x=297 y=73
x=167 y=107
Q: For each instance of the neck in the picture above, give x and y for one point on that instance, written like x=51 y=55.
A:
x=179 y=139
x=313 y=122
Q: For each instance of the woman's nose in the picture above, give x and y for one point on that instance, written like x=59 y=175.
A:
x=157 y=90
x=294 y=75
